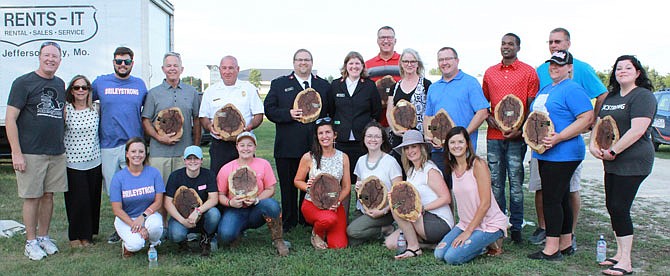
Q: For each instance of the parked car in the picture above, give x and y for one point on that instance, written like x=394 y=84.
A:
x=660 y=127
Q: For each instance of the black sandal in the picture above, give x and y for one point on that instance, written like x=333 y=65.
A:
x=612 y=262
x=415 y=253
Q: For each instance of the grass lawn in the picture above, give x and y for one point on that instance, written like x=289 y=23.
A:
x=255 y=255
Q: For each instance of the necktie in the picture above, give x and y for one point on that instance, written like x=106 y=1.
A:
x=305 y=84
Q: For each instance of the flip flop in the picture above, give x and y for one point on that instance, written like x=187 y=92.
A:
x=617 y=269
x=415 y=253
x=611 y=262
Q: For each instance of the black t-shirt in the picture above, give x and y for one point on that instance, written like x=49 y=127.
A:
x=203 y=184
x=639 y=157
x=40 y=122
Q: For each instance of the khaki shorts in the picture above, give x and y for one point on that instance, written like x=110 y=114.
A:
x=43 y=174
x=166 y=165
x=535 y=184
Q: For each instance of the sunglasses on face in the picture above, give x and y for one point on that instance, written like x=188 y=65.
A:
x=119 y=61
x=324 y=120
x=77 y=87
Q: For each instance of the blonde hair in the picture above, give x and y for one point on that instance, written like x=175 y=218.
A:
x=408 y=165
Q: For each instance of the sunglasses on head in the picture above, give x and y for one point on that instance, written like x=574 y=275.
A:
x=50 y=43
x=78 y=87
x=323 y=121
x=119 y=61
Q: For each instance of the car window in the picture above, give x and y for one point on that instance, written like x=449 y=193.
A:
x=664 y=103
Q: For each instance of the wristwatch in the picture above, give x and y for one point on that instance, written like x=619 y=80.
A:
x=144 y=215
x=612 y=152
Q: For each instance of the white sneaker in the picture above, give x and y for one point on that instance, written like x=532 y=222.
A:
x=33 y=251
x=47 y=244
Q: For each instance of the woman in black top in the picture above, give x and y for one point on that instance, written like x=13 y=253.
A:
x=355 y=102
x=412 y=87
x=628 y=161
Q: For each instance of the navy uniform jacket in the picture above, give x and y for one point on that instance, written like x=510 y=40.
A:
x=356 y=111
x=292 y=138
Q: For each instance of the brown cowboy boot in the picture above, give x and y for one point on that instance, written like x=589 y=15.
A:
x=276 y=230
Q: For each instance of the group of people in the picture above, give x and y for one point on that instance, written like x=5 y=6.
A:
x=351 y=140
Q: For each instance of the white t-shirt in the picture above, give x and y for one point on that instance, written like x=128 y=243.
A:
x=386 y=170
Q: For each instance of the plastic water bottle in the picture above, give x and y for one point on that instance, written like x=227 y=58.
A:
x=601 y=249
x=402 y=244
x=152 y=254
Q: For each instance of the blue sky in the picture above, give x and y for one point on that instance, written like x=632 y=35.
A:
x=264 y=34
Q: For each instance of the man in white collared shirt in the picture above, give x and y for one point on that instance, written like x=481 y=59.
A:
x=243 y=95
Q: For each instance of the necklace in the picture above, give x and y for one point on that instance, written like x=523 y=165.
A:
x=367 y=162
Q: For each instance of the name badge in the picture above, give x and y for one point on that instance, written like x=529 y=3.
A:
x=339 y=95
x=289 y=89
x=202 y=187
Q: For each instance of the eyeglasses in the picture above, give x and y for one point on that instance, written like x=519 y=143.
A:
x=119 y=61
x=386 y=37
x=50 y=43
x=323 y=121
x=410 y=61
x=82 y=87
x=445 y=59
x=557 y=41
x=302 y=60
x=376 y=137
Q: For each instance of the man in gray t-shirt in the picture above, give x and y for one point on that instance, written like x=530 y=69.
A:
x=34 y=123
x=167 y=149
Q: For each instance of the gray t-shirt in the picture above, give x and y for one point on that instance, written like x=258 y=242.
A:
x=40 y=123
x=639 y=157
x=165 y=96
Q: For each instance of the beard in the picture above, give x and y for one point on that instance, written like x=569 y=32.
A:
x=123 y=75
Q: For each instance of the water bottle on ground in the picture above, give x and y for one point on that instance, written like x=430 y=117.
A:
x=601 y=249
x=402 y=244
x=152 y=254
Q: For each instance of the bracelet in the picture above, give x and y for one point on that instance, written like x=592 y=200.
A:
x=197 y=210
x=257 y=201
x=150 y=210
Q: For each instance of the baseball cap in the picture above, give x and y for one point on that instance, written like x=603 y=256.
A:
x=193 y=150
x=561 y=57
x=246 y=134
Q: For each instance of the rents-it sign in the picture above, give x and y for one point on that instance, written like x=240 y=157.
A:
x=22 y=25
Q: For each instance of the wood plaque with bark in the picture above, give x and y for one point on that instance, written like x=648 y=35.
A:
x=309 y=101
x=372 y=194
x=228 y=122
x=325 y=191
x=538 y=125
x=186 y=200
x=170 y=120
x=436 y=127
x=242 y=182
x=384 y=87
x=405 y=201
x=403 y=116
x=509 y=113
x=606 y=132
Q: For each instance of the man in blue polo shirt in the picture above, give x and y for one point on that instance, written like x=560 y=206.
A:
x=460 y=95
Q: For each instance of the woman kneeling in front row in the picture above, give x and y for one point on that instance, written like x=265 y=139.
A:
x=481 y=223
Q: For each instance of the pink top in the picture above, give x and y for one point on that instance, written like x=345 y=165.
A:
x=467 y=200
x=264 y=175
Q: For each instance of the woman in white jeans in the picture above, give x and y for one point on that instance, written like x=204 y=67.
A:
x=136 y=193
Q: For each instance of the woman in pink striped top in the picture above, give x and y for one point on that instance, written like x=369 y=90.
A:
x=481 y=224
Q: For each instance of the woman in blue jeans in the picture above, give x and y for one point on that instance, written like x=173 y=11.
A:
x=481 y=222
x=242 y=212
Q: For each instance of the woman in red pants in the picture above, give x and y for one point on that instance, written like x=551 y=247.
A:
x=329 y=224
